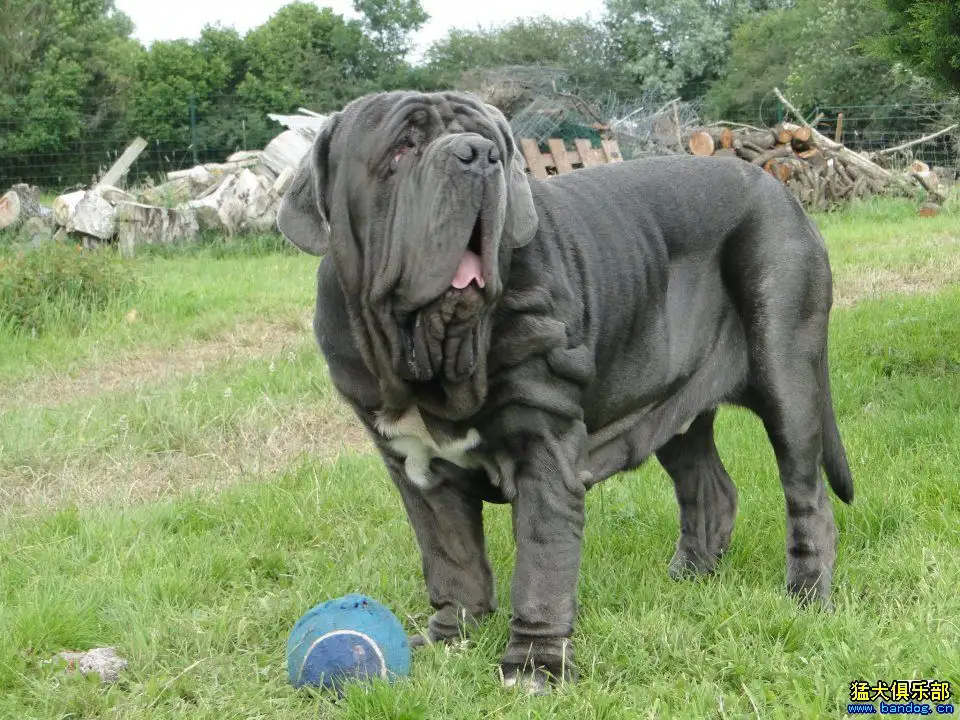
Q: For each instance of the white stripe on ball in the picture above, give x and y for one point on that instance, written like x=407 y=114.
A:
x=376 y=649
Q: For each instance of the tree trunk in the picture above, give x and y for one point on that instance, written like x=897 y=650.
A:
x=285 y=150
x=784 y=135
x=781 y=151
x=147 y=224
x=10 y=208
x=19 y=205
x=123 y=163
x=726 y=138
x=93 y=216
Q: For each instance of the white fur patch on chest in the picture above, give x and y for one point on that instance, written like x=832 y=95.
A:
x=409 y=436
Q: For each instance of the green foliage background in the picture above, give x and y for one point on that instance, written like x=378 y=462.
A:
x=75 y=86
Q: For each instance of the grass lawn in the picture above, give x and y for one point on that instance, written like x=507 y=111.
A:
x=182 y=484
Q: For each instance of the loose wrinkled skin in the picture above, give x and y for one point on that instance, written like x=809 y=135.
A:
x=621 y=306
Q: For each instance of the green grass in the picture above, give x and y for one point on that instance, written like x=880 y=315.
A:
x=186 y=293
x=198 y=585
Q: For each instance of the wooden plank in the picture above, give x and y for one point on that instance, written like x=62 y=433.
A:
x=123 y=163
x=535 y=160
x=559 y=152
x=588 y=157
x=612 y=150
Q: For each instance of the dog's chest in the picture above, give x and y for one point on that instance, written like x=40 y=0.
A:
x=408 y=435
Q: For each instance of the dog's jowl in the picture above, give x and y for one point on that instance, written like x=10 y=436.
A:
x=505 y=339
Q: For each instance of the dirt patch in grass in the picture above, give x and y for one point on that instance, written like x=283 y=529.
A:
x=135 y=370
x=865 y=283
x=267 y=439
x=264 y=444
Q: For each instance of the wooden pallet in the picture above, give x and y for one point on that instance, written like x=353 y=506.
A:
x=561 y=160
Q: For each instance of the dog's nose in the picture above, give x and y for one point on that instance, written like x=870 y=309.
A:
x=477 y=154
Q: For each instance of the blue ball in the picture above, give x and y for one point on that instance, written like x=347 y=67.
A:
x=348 y=638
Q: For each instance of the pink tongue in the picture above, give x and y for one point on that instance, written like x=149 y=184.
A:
x=469 y=269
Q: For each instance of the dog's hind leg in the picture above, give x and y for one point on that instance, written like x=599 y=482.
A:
x=791 y=412
x=706 y=496
x=787 y=335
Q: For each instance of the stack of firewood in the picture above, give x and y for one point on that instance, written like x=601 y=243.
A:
x=819 y=172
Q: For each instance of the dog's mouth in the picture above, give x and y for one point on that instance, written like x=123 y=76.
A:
x=470 y=269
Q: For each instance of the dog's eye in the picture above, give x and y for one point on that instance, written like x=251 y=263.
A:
x=399 y=152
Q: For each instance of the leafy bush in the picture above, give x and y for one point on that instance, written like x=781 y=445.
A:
x=60 y=284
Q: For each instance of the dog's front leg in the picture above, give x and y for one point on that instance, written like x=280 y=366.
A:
x=548 y=518
x=447 y=520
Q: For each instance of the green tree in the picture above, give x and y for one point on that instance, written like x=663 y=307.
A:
x=389 y=24
x=65 y=67
x=304 y=55
x=675 y=46
x=815 y=52
x=169 y=76
x=576 y=48
x=925 y=35
x=762 y=54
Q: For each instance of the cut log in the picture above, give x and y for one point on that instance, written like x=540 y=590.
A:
x=230 y=214
x=64 y=206
x=10 y=210
x=20 y=204
x=171 y=193
x=245 y=156
x=726 y=138
x=139 y=224
x=114 y=195
x=784 y=135
x=780 y=151
x=123 y=163
x=200 y=179
x=800 y=133
x=214 y=168
x=285 y=150
x=283 y=183
x=919 y=166
x=762 y=140
x=871 y=168
x=701 y=143
x=929 y=182
x=93 y=216
x=207 y=207
x=782 y=169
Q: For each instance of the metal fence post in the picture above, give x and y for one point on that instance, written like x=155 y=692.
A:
x=193 y=127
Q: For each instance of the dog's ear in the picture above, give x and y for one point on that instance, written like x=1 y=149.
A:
x=303 y=215
x=521 y=221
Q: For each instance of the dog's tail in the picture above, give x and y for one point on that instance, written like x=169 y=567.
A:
x=835 y=463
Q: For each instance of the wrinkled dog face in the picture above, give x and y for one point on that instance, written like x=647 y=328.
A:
x=419 y=199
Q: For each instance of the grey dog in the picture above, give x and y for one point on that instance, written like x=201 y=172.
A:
x=509 y=340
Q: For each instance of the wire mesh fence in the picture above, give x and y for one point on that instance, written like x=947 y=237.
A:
x=41 y=151
x=58 y=152
x=871 y=128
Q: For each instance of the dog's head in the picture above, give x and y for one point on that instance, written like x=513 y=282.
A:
x=419 y=200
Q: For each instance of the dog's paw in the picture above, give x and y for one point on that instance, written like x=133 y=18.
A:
x=419 y=640
x=687 y=564
x=535 y=666
x=532 y=682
